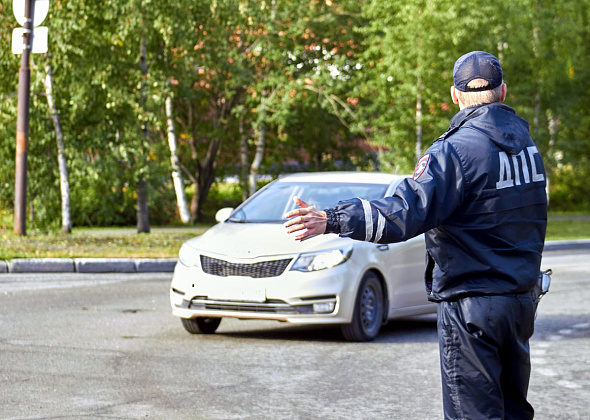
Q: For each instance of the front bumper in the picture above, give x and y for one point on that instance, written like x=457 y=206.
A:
x=320 y=297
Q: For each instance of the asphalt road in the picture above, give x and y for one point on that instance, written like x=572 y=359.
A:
x=105 y=346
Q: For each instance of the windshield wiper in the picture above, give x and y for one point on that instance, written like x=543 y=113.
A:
x=233 y=220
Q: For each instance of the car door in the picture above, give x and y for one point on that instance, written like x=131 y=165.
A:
x=404 y=263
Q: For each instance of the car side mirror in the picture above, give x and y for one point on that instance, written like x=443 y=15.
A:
x=223 y=214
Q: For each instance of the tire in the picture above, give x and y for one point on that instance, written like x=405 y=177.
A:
x=201 y=325
x=368 y=311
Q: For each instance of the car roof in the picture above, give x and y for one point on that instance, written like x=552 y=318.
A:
x=349 y=177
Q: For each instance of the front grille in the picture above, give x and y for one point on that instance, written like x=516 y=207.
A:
x=258 y=270
x=270 y=306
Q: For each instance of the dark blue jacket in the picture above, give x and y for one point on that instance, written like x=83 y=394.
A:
x=479 y=195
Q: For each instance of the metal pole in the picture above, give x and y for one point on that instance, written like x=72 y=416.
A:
x=22 y=126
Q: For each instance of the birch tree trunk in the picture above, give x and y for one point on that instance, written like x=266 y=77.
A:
x=255 y=167
x=244 y=161
x=553 y=127
x=66 y=221
x=183 y=209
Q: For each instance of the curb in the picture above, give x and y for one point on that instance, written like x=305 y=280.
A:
x=88 y=265
x=40 y=265
x=567 y=245
x=158 y=265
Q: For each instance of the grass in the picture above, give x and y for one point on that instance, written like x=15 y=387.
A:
x=98 y=243
x=568 y=227
x=165 y=242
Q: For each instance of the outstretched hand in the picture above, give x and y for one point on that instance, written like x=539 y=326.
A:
x=306 y=221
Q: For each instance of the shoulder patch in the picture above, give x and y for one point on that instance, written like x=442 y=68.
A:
x=421 y=165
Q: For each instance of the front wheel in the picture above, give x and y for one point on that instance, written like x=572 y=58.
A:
x=202 y=325
x=368 y=311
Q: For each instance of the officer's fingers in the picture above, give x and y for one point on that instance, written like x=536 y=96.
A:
x=303 y=211
x=296 y=229
x=301 y=203
x=293 y=213
x=294 y=226
x=292 y=222
x=306 y=233
x=298 y=212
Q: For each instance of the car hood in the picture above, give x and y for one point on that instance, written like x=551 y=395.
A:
x=255 y=240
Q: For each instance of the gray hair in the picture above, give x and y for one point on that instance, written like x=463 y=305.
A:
x=481 y=97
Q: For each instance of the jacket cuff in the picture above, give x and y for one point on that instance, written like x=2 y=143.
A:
x=332 y=225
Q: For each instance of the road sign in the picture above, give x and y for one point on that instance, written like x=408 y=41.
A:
x=40 y=11
x=39 y=41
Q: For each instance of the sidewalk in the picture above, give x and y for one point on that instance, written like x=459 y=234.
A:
x=157 y=265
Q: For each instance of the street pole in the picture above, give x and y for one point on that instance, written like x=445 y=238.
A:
x=22 y=126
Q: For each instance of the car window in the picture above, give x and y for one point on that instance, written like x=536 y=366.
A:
x=271 y=203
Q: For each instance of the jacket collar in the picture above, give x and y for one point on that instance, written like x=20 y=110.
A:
x=473 y=111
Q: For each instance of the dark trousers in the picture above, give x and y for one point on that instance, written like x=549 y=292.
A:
x=485 y=359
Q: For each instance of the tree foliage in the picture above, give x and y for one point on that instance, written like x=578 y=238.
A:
x=321 y=84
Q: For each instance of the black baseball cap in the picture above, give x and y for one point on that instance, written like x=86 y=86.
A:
x=477 y=65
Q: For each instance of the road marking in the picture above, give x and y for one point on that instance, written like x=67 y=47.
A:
x=568 y=384
x=546 y=372
x=538 y=352
x=555 y=337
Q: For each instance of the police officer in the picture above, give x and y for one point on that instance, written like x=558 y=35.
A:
x=478 y=194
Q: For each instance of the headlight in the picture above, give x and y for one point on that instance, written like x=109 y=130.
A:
x=315 y=261
x=188 y=256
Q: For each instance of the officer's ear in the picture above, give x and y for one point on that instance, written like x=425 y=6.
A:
x=503 y=97
x=454 y=96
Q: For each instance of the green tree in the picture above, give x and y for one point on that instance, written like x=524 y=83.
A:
x=306 y=83
x=404 y=86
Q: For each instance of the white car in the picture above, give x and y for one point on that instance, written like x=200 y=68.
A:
x=248 y=267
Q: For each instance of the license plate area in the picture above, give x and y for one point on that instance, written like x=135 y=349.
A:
x=241 y=289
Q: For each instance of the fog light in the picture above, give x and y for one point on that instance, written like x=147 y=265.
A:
x=324 y=307
x=176 y=297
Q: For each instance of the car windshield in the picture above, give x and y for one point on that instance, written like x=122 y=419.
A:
x=271 y=203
